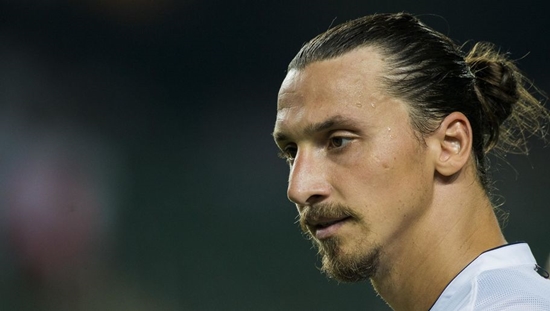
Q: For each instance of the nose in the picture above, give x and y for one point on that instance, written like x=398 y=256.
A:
x=307 y=182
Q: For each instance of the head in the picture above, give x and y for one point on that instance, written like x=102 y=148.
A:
x=358 y=112
x=436 y=78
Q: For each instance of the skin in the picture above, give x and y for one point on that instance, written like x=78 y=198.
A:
x=414 y=203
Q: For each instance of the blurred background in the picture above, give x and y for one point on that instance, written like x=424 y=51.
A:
x=137 y=170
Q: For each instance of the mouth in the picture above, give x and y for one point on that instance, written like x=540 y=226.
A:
x=325 y=227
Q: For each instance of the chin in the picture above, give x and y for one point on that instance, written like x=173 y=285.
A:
x=350 y=266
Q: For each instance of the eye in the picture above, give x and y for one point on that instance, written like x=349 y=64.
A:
x=338 y=142
x=288 y=153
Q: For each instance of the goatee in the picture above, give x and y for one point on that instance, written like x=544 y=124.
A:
x=355 y=266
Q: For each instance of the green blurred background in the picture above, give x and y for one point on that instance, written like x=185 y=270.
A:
x=137 y=170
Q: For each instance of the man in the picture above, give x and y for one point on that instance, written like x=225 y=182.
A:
x=385 y=124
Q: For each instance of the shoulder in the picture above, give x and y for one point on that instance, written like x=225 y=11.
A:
x=518 y=288
x=503 y=278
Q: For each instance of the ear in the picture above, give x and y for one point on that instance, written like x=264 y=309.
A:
x=452 y=143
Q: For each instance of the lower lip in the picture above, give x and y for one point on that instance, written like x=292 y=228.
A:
x=330 y=230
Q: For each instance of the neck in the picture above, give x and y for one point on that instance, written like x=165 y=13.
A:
x=449 y=236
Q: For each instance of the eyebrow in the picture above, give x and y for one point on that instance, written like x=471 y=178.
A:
x=314 y=128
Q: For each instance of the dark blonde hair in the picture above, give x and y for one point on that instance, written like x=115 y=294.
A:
x=434 y=75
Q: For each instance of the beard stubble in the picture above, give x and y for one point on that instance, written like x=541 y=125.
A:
x=357 y=265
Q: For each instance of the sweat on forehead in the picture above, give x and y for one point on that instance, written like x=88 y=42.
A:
x=348 y=72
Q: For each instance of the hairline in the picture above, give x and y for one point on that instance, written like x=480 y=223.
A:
x=384 y=83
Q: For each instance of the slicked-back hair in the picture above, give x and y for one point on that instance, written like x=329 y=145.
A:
x=435 y=77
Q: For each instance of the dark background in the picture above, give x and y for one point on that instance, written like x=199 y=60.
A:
x=159 y=115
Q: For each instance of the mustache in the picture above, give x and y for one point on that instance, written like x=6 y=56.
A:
x=312 y=214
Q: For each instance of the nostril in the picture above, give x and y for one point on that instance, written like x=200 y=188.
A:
x=315 y=198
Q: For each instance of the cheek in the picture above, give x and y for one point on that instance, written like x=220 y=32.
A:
x=391 y=172
x=384 y=168
x=382 y=164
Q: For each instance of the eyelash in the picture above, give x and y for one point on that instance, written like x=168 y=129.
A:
x=341 y=143
x=289 y=152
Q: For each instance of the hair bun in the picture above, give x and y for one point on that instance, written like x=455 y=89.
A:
x=496 y=86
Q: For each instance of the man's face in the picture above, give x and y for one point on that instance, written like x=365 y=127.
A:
x=359 y=176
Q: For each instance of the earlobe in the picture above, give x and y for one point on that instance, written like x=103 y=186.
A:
x=453 y=142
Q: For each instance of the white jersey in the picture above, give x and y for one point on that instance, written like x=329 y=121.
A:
x=501 y=279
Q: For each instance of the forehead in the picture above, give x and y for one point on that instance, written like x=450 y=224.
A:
x=356 y=74
x=347 y=87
